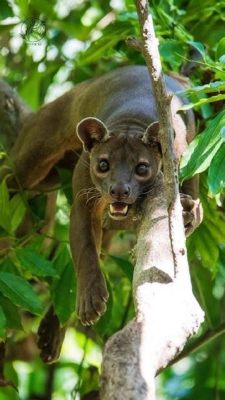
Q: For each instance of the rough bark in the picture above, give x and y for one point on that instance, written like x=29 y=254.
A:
x=167 y=313
x=12 y=115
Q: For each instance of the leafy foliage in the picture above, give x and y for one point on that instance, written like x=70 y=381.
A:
x=204 y=147
x=81 y=40
x=19 y=292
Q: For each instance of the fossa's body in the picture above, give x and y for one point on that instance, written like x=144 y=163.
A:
x=114 y=119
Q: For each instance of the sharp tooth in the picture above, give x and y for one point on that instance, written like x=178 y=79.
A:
x=111 y=208
x=125 y=210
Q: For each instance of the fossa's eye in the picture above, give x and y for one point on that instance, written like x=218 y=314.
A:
x=103 y=165
x=142 y=169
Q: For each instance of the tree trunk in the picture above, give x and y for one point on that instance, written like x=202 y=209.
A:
x=167 y=313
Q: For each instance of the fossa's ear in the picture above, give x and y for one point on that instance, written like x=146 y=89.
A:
x=151 y=136
x=91 y=131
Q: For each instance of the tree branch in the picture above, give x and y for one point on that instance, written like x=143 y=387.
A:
x=163 y=100
x=204 y=339
x=134 y=43
x=167 y=313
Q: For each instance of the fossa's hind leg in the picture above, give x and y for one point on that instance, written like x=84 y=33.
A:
x=50 y=337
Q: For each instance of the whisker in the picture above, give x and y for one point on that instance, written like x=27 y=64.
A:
x=97 y=197
x=87 y=191
x=97 y=202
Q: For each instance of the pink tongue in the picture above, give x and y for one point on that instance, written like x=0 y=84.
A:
x=118 y=207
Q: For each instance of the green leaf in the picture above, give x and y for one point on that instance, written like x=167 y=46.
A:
x=62 y=258
x=89 y=380
x=30 y=89
x=11 y=374
x=13 y=320
x=101 y=47
x=2 y=323
x=220 y=50
x=199 y=47
x=205 y=246
x=5 y=10
x=127 y=16
x=216 y=174
x=18 y=210
x=34 y=263
x=64 y=294
x=205 y=241
x=213 y=87
x=124 y=265
x=203 y=285
x=71 y=28
x=203 y=101
x=203 y=148
x=221 y=262
x=173 y=52
x=222 y=59
x=45 y=7
x=8 y=265
x=5 y=212
x=23 y=7
x=20 y=292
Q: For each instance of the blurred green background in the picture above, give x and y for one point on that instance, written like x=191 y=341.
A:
x=45 y=48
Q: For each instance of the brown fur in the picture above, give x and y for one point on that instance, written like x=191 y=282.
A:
x=116 y=117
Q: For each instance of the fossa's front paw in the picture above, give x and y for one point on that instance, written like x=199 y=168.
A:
x=92 y=296
x=192 y=213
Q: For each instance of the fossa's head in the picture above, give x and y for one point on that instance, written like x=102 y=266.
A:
x=123 y=167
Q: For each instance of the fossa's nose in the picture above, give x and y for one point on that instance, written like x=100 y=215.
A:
x=119 y=191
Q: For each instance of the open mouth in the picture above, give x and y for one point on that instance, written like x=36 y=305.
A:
x=118 y=210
